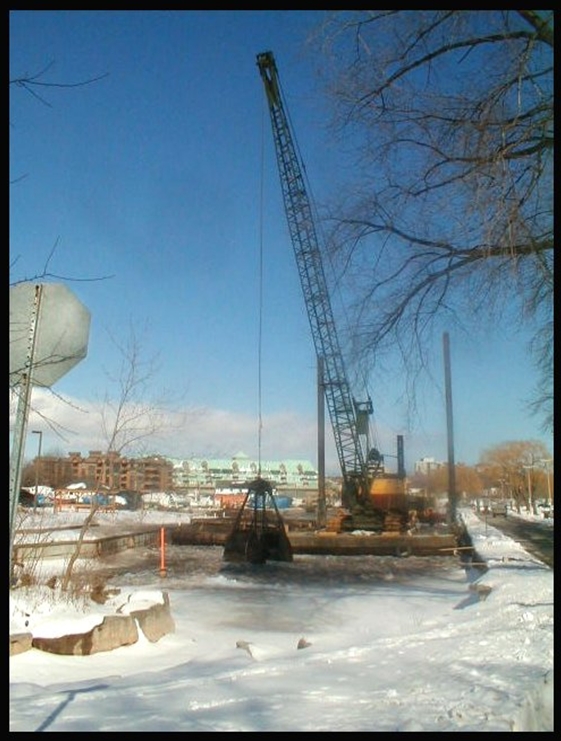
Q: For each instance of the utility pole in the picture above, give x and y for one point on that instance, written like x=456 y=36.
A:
x=530 y=499
x=450 y=431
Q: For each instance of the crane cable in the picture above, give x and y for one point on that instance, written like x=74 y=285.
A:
x=332 y=275
x=260 y=328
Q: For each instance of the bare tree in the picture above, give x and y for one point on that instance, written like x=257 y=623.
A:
x=512 y=467
x=130 y=415
x=450 y=220
x=468 y=481
x=36 y=85
x=132 y=412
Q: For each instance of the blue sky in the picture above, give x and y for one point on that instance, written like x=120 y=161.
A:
x=149 y=183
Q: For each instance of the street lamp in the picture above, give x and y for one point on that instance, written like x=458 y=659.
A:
x=546 y=462
x=529 y=472
x=502 y=483
x=40 y=433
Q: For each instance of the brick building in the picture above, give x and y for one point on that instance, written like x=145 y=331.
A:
x=110 y=470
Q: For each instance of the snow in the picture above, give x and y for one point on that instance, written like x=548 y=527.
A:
x=324 y=643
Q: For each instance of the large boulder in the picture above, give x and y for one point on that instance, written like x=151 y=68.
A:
x=20 y=642
x=156 y=620
x=114 y=631
x=149 y=612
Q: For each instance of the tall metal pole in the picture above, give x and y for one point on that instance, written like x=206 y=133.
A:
x=450 y=432
x=322 y=507
x=40 y=433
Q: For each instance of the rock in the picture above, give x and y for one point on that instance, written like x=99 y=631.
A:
x=245 y=646
x=20 y=642
x=482 y=590
x=156 y=621
x=112 y=632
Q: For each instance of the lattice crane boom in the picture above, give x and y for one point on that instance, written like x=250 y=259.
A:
x=301 y=225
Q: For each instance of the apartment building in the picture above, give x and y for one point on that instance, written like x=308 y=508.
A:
x=158 y=473
x=212 y=473
x=108 y=470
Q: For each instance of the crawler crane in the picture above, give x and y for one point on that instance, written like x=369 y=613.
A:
x=374 y=499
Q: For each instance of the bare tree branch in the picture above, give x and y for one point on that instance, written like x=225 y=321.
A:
x=30 y=83
x=131 y=411
x=450 y=217
x=46 y=273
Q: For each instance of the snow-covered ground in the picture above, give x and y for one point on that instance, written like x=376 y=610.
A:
x=390 y=644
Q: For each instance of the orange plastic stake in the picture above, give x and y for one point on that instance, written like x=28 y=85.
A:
x=163 y=570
